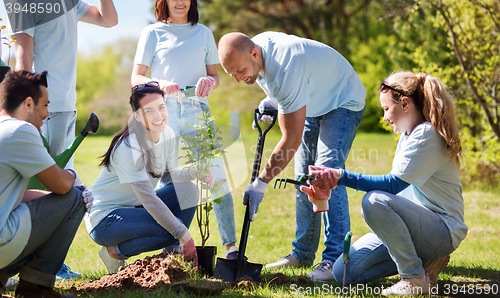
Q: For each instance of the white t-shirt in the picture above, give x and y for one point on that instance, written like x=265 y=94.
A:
x=302 y=72
x=113 y=190
x=421 y=161
x=55 y=50
x=22 y=156
x=177 y=53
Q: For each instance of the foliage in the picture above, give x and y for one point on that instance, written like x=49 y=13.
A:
x=328 y=21
x=103 y=86
x=201 y=147
x=8 y=42
x=351 y=27
x=465 y=53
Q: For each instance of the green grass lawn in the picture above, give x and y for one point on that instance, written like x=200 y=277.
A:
x=475 y=262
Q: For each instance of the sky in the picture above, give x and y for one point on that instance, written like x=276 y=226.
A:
x=133 y=16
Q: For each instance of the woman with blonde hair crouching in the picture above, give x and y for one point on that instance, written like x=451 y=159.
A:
x=414 y=232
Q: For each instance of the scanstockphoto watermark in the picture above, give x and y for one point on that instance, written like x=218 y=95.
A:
x=327 y=289
x=25 y=14
x=349 y=290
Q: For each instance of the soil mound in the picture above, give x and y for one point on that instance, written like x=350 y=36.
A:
x=152 y=272
x=164 y=271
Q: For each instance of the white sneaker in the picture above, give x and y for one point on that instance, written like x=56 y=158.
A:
x=111 y=263
x=286 y=261
x=409 y=287
x=323 y=272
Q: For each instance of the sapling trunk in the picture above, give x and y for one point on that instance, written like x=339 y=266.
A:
x=202 y=217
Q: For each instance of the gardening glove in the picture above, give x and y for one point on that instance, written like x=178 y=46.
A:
x=87 y=196
x=187 y=248
x=318 y=197
x=77 y=178
x=254 y=195
x=204 y=86
x=169 y=87
x=326 y=178
x=266 y=103
x=206 y=178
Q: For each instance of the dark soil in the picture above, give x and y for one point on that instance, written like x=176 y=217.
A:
x=165 y=272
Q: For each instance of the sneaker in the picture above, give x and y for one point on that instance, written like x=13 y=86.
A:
x=322 y=273
x=66 y=273
x=434 y=268
x=286 y=261
x=11 y=284
x=111 y=263
x=232 y=253
x=28 y=290
x=409 y=287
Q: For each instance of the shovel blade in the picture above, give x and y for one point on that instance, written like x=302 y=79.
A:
x=226 y=270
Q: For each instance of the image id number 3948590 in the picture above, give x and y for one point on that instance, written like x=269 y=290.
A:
x=33 y=7
x=471 y=289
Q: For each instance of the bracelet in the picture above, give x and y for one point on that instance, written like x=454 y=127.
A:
x=72 y=171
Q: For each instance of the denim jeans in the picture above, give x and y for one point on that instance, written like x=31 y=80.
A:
x=326 y=141
x=59 y=130
x=54 y=222
x=133 y=231
x=405 y=237
x=180 y=114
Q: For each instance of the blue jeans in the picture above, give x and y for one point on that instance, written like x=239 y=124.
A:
x=59 y=130
x=405 y=237
x=326 y=141
x=133 y=231
x=180 y=114
x=54 y=222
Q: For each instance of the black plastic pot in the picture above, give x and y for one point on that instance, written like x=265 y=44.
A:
x=206 y=259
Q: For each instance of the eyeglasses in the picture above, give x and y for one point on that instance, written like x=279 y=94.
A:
x=384 y=85
x=141 y=87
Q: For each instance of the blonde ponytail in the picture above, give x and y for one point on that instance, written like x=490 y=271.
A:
x=432 y=98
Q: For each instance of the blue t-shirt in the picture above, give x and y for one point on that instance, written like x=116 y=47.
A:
x=55 y=50
x=302 y=72
x=421 y=161
x=113 y=190
x=22 y=157
x=177 y=53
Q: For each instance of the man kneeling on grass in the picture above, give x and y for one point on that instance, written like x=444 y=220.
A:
x=36 y=227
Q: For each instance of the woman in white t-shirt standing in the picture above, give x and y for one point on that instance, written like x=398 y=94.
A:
x=183 y=53
x=416 y=212
x=129 y=217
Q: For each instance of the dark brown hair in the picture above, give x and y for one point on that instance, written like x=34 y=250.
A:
x=19 y=85
x=162 y=13
x=147 y=158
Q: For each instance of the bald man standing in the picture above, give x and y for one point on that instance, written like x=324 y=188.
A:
x=321 y=102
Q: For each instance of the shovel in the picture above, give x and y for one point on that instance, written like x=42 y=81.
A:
x=63 y=158
x=232 y=270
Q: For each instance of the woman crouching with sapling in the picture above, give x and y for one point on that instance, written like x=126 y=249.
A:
x=129 y=217
x=414 y=232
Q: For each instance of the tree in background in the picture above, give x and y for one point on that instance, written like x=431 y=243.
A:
x=328 y=21
x=352 y=28
x=103 y=85
x=465 y=54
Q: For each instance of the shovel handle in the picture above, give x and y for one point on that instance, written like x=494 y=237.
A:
x=347 y=246
x=255 y=173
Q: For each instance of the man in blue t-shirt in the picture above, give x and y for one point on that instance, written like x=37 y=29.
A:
x=320 y=101
x=47 y=43
x=36 y=227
